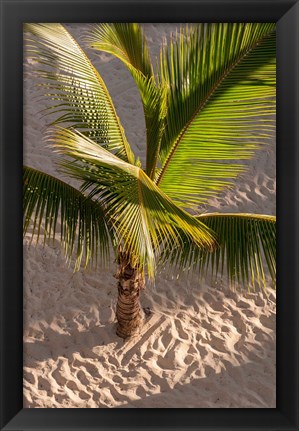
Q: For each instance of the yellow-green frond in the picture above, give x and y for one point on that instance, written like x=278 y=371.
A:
x=246 y=252
x=51 y=207
x=77 y=94
x=127 y=42
x=140 y=213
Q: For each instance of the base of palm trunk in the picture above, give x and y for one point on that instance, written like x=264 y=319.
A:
x=128 y=312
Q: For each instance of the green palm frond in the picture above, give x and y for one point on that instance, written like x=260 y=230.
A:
x=139 y=211
x=221 y=106
x=154 y=100
x=247 y=247
x=211 y=105
x=77 y=91
x=83 y=229
x=127 y=42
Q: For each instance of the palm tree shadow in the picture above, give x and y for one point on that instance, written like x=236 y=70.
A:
x=250 y=384
x=240 y=386
x=246 y=385
x=55 y=345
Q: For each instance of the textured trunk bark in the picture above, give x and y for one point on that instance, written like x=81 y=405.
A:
x=128 y=312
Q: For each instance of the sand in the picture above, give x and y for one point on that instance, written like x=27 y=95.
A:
x=201 y=346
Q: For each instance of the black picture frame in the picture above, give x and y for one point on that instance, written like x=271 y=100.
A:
x=13 y=14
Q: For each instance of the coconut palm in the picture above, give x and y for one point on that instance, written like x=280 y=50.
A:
x=208 y=104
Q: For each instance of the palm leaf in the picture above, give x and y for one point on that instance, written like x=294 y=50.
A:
x=221 y=106
x=139 y=211
x=78 y=93
x=247 y=249
x=127 y=42
x=83 y=232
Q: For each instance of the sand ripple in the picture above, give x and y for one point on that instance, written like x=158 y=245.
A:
x=200 y=347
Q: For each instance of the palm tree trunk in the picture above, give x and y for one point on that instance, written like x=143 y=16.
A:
x=128 y=311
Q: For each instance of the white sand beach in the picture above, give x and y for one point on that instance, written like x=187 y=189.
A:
x=201 y=346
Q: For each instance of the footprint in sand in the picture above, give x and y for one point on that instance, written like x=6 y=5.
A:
x=59 y=398
x=188 y=359
x=212 y=303
x=225 y=329
x=148 y=356
x=44 y=385
x=259 y=301
x=113 y=361
x=181 y=332
x=248 y=313
x=84 y=396
x=141 y=392
x=29 y=377
x=218 y=343
x=117 y=379
x=169 y=362
x=90 y=368
x=82 y=378
x=268 y=322
x=166 y=339
x=58 y=377
x=78 y=392
x=261 y=336
x=243 y=304
x=72 y=386
x=238 y=322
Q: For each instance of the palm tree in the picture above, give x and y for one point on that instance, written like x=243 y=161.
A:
x=209 y=105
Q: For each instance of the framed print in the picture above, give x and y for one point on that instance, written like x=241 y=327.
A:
x=145 y=275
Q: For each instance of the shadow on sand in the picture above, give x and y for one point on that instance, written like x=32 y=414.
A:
x=234 y=386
